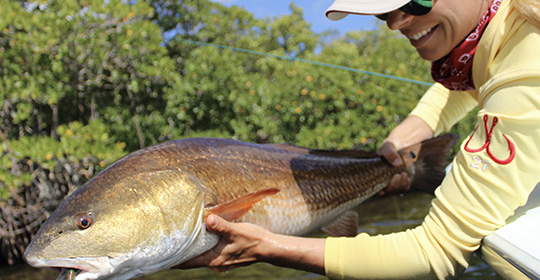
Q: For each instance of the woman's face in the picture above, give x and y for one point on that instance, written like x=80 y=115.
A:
x=437 y=33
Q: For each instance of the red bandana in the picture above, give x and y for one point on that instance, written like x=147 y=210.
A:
x=454 y=71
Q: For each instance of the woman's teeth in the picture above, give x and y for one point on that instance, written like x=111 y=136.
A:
x=420 y=35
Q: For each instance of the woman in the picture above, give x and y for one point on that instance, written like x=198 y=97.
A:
x=484 y=53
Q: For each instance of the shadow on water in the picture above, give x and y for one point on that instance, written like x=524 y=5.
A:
x=377 y=216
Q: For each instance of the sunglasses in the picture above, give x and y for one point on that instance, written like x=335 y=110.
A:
x=415 y=8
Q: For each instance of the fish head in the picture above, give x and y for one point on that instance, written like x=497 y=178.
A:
x=119 y=227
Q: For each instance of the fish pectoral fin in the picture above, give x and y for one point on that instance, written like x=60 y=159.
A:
x=238 y=207
x=346 y=225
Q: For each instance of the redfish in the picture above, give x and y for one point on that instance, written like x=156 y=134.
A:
x=146 y=212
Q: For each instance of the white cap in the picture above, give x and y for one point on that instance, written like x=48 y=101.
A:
x=341 y=8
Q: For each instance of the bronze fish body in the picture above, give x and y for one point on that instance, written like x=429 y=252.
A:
x=145 y=212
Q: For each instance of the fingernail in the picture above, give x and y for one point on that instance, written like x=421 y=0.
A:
x=211 y=221
x=396 y=162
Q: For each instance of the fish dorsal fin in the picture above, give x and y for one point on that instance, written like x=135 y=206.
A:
x=326 y=153
x=344 y=153
x=346 y=225
x=289 y=147
x=236 y=208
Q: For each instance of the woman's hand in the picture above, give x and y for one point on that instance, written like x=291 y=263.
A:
x=400 y=183
x=244 y=243
x=238 y=245
x=411 y=131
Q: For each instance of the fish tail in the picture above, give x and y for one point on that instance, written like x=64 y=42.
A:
x=428 y=161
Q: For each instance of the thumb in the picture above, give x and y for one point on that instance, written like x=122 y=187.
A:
x=388 y=151
x=216 y=224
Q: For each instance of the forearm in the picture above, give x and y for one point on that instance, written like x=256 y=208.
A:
x=410 y=131
x=293 y=252
x=244 y=243
x=441 y=109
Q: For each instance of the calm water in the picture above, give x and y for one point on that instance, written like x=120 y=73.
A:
x=377 y=216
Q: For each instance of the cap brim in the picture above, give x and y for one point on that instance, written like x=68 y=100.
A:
x=341 y=8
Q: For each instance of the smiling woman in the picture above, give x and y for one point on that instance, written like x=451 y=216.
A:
x=484 y=54
x=437 y=33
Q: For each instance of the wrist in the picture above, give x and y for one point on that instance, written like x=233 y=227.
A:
x=270 y=248
x=293 y=252
x=412 y=130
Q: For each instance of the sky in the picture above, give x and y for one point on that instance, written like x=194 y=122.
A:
x=313 y=13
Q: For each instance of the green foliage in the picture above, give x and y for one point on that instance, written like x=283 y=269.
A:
x=76 y=142
x=66 y=61
x=267 y=99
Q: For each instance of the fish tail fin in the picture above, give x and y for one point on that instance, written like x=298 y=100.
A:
x=429 y=160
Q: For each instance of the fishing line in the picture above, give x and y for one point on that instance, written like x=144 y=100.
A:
x=304 y=60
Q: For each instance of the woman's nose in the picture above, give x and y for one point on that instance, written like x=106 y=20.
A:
x=398 y=19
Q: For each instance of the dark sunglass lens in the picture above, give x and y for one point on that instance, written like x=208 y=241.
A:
x=414 y=7
x=382 y=16
x=417 y=7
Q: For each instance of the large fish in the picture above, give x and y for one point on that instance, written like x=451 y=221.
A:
x=145 y=212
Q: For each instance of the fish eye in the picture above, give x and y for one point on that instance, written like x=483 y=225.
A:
x=84 y=221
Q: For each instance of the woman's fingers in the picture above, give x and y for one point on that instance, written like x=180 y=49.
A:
x=400 y=183
x=216 y=224
x=236 y=247
x=389 y=152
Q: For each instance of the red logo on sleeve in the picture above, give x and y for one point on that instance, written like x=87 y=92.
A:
x=486 y=145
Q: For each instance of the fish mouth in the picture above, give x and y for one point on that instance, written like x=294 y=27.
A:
x=84 y=268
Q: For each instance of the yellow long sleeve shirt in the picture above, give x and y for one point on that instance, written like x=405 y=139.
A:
x=492 y=175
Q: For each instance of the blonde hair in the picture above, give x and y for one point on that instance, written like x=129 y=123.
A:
x=530 y=9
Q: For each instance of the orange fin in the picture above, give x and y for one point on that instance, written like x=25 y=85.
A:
x=236 y=208
x=346 y=225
